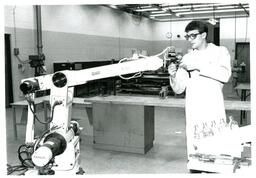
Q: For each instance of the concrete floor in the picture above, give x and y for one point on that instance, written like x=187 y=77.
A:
x=168 y=154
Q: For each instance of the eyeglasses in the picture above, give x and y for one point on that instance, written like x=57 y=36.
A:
x=192 y=36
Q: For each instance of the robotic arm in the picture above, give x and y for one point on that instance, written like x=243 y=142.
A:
x=59 y=147
x=69 y=78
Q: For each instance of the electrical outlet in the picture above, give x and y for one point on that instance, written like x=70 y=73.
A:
x=20 y=66
x=16 y=51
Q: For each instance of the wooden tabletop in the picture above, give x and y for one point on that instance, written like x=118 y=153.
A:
x=156 y=101
x=139 y=100
x=81 y=102
x=243 y=86
x=37 y=101
x=76 y=101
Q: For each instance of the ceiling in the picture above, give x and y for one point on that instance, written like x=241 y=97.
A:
x=188 y=11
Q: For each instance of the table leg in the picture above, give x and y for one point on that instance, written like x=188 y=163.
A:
x=14 y=122
x=45 y=115
x=243 y=113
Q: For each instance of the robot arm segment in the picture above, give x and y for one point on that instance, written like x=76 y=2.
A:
x=73 y=78
x=31 y=85
x=129 y=67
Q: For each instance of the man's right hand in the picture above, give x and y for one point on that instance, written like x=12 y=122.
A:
x=172 y=69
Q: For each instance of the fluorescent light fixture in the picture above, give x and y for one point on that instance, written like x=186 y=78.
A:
x=166 y=5
x=202 y=8
x=203 y=12
x=149 y=6
x=177 y=10
x=146 y=9
x=225 y=7
x=157 y=12
x=113 y=6
x=166 y=8
x=159 y=15
x=204 y=5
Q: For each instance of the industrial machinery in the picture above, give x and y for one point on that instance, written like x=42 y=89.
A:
x=57 y=150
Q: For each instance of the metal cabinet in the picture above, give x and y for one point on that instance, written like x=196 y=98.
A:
x=123 y=127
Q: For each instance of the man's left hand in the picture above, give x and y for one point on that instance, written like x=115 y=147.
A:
x=190 y=65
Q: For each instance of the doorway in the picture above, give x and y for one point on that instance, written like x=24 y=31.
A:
x=242 y=56
x=8 y=71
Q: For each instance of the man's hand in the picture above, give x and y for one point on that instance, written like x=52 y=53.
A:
x=172 y=69
x=190 y=65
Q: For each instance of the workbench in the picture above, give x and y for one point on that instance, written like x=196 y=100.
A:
x=124 y=123
x=156 y=101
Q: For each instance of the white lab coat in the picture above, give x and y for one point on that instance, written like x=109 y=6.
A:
x=204 y=97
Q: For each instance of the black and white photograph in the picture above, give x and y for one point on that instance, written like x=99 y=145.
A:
x=127 y=87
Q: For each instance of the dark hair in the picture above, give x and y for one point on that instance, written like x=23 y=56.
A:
x=197 y=25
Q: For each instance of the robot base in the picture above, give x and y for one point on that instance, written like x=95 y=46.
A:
x=68 y=163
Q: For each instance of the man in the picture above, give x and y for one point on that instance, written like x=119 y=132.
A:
x=202 y=73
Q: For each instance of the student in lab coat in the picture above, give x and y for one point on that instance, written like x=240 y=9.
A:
x=201 y=74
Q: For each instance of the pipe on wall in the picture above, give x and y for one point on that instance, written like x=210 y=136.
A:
x=39 y=30
x=37 y=61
